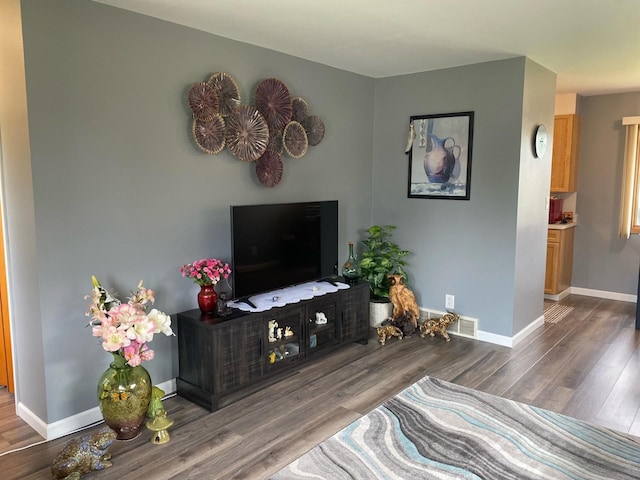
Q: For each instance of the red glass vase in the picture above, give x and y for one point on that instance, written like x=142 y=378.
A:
x=207 y=299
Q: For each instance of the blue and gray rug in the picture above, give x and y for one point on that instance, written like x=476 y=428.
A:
x=435 y=429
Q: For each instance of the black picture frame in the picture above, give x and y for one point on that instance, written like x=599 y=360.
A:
x=439 y=149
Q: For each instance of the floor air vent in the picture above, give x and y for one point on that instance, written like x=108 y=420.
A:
x=465 y=327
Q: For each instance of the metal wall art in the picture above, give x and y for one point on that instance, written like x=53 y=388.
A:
x=275 y=124
x=439 y=149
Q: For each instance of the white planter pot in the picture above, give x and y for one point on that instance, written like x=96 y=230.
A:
x=379 y=312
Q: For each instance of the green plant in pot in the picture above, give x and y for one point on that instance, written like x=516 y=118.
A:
x=380 y=258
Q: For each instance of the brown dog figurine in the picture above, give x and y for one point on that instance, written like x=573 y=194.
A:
x=405 y=308
x=388 y=331
x=431 y=327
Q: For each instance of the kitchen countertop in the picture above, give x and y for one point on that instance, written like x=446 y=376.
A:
x=562 y=226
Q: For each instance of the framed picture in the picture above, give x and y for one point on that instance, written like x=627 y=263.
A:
x=439 y=149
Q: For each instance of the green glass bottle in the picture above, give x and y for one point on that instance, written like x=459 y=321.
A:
x=351 y=269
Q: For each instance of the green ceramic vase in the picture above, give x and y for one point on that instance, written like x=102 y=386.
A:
x=124 y=394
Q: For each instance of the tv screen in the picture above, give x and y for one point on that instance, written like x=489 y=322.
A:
x=278 y=245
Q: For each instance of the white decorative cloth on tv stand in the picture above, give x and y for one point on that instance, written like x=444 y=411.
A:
x=284 y=296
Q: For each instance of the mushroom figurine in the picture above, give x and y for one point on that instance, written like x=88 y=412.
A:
x=159 y=425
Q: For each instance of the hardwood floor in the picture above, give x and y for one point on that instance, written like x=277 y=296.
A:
x=586 y=366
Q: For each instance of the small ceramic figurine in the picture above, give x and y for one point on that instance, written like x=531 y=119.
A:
x=83 y=454
x=288 y=332
x=156 y=402
x=405 y=308
x=388 y=331
x=273 y=330
x=440 y=326
x=321 y=318
x=159 y=426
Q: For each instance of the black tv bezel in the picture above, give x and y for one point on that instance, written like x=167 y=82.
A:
x=325 y=275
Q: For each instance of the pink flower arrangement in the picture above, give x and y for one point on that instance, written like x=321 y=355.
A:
x=126 y=328
x=207 y=271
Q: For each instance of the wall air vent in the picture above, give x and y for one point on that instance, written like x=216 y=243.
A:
x=465 y=327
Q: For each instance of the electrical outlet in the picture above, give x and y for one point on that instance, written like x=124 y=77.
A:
x=449 y=301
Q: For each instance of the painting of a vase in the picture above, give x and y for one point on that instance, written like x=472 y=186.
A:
x=440 y=155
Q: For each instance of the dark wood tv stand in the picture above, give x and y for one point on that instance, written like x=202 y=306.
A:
x=225 y=359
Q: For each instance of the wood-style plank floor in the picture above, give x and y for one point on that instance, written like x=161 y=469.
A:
x=586 y=366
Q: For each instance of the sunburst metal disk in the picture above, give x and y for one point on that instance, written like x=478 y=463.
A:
x=295 y=140
x=203 y=101
x=276 y=141
x=314 y=127
x=227 y=91
x=299 y=109
x=269 y=168
x=273 y=101
x=210 y=136
x=247 y=133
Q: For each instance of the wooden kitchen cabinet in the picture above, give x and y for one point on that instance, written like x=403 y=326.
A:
x=564 y=164
x=559 y=260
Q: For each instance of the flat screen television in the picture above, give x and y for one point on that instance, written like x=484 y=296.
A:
x=279 y=245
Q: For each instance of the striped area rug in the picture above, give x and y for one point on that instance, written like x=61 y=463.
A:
x=554 y=312
x=435 y=429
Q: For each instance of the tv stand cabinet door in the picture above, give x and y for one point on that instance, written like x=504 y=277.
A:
x=283 y=333
x=238 y=353
x=322 y=317
x=355 y=313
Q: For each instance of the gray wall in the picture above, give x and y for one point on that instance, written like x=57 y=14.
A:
x=468 y=248
x=122 y=192
x=603 y=261
x=533 y=216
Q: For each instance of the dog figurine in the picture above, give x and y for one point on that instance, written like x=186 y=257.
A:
x=83 y=455
x=388 y=331
x=431 y=327
x=405 y=308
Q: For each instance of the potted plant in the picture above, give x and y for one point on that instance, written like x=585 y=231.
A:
x=380 y=258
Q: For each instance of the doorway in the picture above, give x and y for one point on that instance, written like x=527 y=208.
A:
x=6 y=363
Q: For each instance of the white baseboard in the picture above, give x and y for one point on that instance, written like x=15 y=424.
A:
x=76 y=422
x=559 y=296
x=32 y=420
x=495 y=339
x=588 y=292
x=511 y=342
x=524 y=333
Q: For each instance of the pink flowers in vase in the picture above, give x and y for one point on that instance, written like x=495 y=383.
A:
x=207 y=271
x=126 y=328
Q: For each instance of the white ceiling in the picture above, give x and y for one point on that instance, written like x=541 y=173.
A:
x=592 y=45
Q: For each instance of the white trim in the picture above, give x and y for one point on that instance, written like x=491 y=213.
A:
x=32 y=420
x=559 y=296
x=495 y=339
x=630 y=120
x=588 y=292
x=75 y=422
x=522 y=334
x=511 y=341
